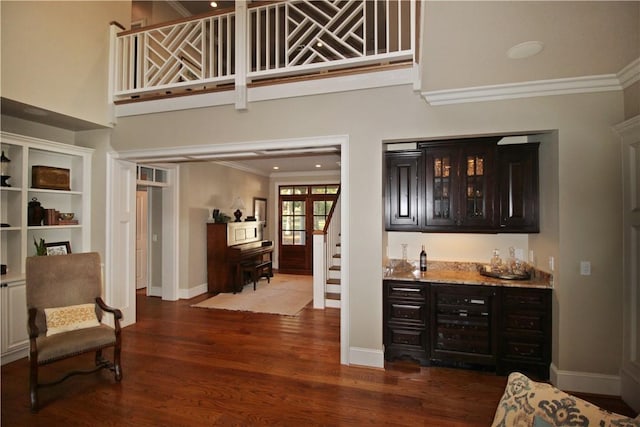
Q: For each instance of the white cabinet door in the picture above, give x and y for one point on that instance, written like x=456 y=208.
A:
x=15 y=339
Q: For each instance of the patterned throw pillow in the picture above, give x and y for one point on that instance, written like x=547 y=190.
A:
x=533 y=404
x=64 y=319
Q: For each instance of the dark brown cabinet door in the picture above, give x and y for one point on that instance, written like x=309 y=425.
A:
x=459 y=184
x=402 y=190
x=406 y=319
x=518 y=187
x=525 y=332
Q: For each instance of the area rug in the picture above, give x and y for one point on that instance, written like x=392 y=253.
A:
x=287 y=294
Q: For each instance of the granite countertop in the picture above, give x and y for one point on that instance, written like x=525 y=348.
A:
x=464 y=273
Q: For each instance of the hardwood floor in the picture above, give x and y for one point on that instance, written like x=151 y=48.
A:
x=185 y=366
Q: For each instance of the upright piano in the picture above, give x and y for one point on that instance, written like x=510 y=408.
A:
x=229 y=245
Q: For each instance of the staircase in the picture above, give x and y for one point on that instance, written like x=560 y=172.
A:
x=327 y=262
x=332 y=287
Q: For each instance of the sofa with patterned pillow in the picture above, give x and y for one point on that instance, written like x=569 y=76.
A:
x=532 y=404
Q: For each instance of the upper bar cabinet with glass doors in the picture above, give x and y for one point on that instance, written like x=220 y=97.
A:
x=459 y=180
x=464 y=185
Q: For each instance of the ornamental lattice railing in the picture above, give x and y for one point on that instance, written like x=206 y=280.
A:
x=269 y=41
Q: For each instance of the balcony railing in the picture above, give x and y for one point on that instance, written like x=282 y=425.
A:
x=264 y=41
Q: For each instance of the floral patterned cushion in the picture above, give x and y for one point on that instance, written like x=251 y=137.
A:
x=71 y=318
x=532 y=404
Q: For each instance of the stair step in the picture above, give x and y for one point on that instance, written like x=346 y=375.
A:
x=332 y=289
x=332 y=303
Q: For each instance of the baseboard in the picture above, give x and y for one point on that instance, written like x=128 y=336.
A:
x=585 y=382
x=630 y=390
x=193 y=292
x=366 y=357
x=14 y=355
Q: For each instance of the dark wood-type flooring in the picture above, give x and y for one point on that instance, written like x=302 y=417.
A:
x=186 y=366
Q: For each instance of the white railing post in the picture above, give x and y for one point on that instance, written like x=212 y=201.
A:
x=242 y=54
x=114 y=65
x=319 y=270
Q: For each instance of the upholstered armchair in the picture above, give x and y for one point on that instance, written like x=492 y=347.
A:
x=65 y=311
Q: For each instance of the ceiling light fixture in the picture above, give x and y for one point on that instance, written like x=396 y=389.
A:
x=213 y=4
x=276 y=168
x=318 y=166
x=525 y=50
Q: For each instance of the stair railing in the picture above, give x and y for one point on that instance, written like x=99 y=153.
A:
x=324 y=243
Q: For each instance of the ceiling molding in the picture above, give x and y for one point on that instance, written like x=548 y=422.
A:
x=587 y=84
x=630 y=74
x=179 y=8
x=242 y=168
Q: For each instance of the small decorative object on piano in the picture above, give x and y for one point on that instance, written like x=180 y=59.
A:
x=220 y=216
x=50 y=178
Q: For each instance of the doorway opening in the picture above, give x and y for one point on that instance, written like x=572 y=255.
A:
x=123 y=278
x=303 y=209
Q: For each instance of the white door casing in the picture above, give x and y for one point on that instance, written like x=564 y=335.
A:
x=630 y=372
x=120 y=274
x=142 y=224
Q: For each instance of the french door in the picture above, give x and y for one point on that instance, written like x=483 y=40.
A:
x=303 y=209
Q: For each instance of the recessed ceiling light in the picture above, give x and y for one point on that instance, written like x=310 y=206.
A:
x=213 y=4
x=319 y=44
x=276 y=168
x=525 y=50
x=318 y=166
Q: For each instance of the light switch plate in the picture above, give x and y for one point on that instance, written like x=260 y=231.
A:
x=585 y=268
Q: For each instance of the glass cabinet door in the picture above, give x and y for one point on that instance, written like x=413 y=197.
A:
x=441 y=182
x=476 y=189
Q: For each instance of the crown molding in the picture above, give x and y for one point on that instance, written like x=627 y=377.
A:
x=179 y=8
x=630 y=74
x=587 y=84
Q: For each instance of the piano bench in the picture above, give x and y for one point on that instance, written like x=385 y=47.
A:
x=256 y=270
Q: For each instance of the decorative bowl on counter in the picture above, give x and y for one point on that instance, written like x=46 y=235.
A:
x=66 y=215
x=504 y=274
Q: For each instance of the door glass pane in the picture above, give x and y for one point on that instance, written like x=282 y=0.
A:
x=286 y=190
x=293 y=222
x=441 y=183
x=300 y=190
x=475 y=189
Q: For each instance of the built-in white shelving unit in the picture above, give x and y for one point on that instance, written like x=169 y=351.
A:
x=17 y=237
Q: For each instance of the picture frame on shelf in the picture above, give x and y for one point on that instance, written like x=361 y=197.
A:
x=260 y=209
x=58 y=248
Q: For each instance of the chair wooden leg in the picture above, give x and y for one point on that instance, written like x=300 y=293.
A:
x=33 y=384
x=116 y=363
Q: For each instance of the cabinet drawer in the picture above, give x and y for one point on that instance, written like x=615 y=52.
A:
x=530 y=322
x=524 y=349
x=407 y=337
x=401 y=311
x=406 y=291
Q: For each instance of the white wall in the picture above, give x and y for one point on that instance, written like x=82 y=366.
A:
x=588 y=189
x=203 y=187
x=55 y=55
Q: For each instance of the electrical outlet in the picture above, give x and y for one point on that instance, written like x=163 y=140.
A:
x=585 y=268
